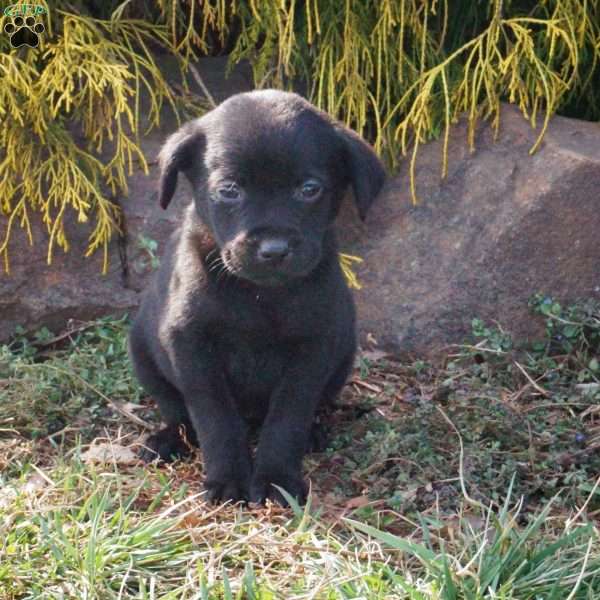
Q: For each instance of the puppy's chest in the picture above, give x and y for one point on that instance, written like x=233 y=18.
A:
x=256 y=346
x=254 y=365
x=268 y=318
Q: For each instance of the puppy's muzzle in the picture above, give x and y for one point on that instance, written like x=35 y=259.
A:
x=269 y=257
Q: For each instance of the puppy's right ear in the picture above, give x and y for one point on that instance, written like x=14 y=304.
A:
x=181 y=152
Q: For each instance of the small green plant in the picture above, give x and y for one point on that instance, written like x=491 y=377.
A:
x=149 y=247
x=570 y=329
x=495 y=339
x=86 y=370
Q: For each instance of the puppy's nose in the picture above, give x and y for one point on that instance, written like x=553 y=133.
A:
x=273 y=250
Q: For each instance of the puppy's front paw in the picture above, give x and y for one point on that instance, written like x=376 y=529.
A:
x=223 y=491
x=228 y=480
x=166 y=444
x=262 y=487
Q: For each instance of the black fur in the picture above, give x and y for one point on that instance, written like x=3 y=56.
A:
x=249 y=319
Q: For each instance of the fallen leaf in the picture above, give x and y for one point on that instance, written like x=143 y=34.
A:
x=109 y=453
x=374 y=355
x=132 y=406
x=371 y=339
x=358 y=502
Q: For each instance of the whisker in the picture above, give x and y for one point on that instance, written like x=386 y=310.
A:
x=217 y=261
x=210 y=254
x=215 y=264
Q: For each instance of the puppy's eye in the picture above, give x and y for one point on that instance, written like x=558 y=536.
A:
x=229 y=192
x=311 y=190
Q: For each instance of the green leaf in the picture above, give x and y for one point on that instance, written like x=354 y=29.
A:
x=571 y=331
x=418 y=550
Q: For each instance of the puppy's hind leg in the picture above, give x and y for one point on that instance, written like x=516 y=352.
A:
x=319 y=434
x=338 y=379
x=172 y=441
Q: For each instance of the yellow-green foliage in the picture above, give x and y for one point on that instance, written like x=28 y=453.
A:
x=404 y=69
x=398 y=71
x=86 y=79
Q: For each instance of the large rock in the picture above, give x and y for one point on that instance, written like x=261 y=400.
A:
x=501 y=226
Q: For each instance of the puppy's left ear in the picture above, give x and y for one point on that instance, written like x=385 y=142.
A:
x=364 y=169
x=180 y=152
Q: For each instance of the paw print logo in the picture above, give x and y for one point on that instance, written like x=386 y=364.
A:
x=24 y=31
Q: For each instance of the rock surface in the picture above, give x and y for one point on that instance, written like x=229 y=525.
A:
x=500 y=227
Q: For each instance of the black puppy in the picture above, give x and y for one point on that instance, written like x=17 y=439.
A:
x=249 y=318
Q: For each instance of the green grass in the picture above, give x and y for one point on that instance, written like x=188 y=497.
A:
x=89 y=534
x=473 y=478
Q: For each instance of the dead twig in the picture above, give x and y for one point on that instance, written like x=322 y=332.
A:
x=368 y=386
x=198 y=79
x=540 y=389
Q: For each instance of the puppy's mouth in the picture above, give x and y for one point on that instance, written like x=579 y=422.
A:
x=269 y=273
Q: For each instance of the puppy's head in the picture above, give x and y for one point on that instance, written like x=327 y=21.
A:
x=268 y=173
